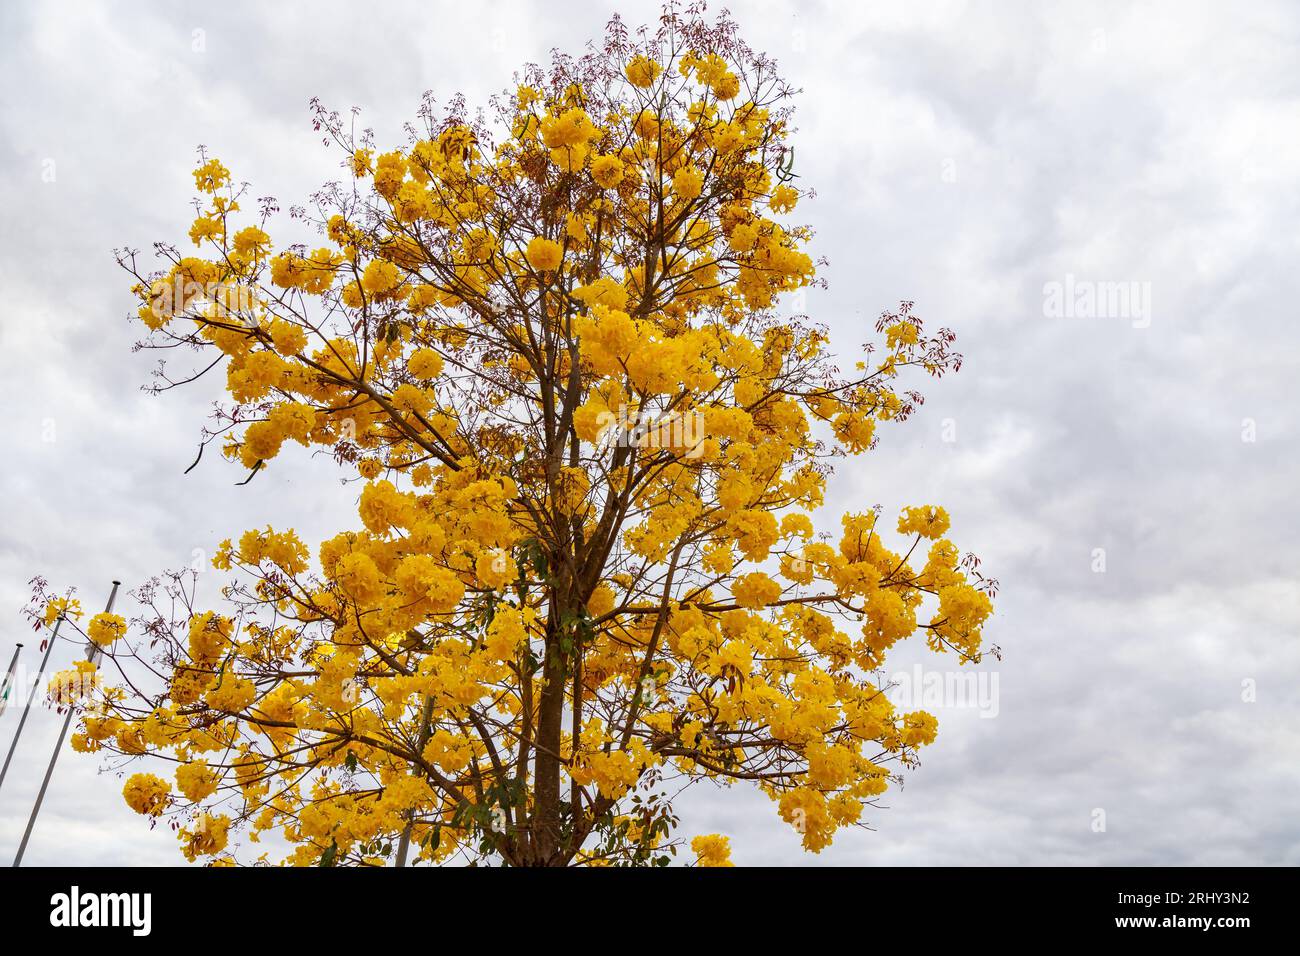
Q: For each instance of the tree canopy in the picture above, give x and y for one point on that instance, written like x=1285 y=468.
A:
x=547 y=340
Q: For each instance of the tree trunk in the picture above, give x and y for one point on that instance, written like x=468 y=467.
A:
x=546 y=764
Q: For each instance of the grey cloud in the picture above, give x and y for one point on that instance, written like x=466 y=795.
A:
x=963 y=155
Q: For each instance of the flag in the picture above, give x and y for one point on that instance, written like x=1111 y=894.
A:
x=8 y=684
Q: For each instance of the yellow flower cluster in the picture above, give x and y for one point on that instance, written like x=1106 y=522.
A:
x=146 y=794
x=71 y=685
x=55 y=608
x=712 y=850
x=105 y=628
x=543 y=254
x=196 y=780
x=642 y=71
x=207 y=836
x=755 y=590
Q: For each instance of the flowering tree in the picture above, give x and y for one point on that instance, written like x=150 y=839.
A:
x=590 y=450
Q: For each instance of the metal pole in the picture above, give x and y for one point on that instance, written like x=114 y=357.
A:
x=91 y=652
x=49 y=646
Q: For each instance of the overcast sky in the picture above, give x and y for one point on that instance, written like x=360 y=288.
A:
x=995 y=163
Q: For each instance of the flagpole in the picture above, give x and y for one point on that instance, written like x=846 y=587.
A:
x=22 y=722
x=91 y=651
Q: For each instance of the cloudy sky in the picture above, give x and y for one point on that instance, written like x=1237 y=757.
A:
x=1127 y=470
